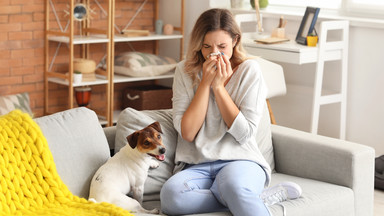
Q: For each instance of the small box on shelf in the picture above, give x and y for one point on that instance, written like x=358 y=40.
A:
x=148 y=97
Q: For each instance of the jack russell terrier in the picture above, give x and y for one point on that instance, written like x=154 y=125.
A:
x=127 y=170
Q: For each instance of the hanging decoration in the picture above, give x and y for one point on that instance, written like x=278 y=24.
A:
x=81 y=12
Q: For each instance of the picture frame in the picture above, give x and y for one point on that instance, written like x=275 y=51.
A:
x=307 y=25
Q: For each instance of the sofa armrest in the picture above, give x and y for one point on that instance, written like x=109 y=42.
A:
x=110 y=133
x=327 y=159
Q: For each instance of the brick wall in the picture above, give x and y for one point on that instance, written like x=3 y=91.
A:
x=22 y=49
x=22 y=26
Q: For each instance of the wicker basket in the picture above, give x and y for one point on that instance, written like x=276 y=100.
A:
x=84 y=65
x=148 y=97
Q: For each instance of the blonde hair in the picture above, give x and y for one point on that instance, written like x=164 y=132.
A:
x=209 y=21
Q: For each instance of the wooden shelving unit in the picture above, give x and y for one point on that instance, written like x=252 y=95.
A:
x=66 y=36
x=96 y=36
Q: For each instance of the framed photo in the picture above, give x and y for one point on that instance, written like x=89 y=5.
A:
x=307 y=24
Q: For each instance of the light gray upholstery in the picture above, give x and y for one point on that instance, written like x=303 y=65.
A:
x=336 y=176
x=78 y=146
x=318 y=199
x=329 y=160
x=331 y=172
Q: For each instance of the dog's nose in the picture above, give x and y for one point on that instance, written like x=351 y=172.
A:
x=162 y=150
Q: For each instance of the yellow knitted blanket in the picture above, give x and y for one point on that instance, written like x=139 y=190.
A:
x=29 y=183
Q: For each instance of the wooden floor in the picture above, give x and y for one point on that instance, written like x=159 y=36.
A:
x=379 y=203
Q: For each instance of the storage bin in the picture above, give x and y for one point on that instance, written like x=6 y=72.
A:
x=148 y=97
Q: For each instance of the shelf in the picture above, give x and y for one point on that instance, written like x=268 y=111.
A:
x=99 y=81
x=117 y=79
x=109 y=37
x=122 y=79
x=152 y=36
x=78 y=39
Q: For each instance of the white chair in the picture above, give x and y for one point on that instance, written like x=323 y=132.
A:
x=273 y=73
x=274 y=77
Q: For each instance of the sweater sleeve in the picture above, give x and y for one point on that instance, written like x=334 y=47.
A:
x=182 y=95
x=253 y=93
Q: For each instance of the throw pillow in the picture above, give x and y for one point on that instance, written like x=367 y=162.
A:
x=78 y=145
x=137 y=64
x=131 y=120
x=17 y=101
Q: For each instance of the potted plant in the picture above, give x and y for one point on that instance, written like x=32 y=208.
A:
x=262 y=3
x=77 y=77
x=312 y=39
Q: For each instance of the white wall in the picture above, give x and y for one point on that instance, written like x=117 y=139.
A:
x=365 y=105
x=169 y=12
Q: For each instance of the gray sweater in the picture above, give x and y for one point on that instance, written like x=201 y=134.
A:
x=215 y=141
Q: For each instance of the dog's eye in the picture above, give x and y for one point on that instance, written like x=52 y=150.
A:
x=158 y=136
x=146 y=142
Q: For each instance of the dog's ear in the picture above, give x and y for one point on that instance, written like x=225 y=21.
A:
x=132 y=139
x=156 y=126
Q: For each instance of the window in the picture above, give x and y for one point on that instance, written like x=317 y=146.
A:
x=368 y=2
x=329 y=4
x=367 y=7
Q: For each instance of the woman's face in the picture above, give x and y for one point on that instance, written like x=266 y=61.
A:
x=218 y=41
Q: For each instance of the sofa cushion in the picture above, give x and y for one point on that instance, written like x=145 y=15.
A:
x=318 y=198
x=131 y=120
x=78 y=146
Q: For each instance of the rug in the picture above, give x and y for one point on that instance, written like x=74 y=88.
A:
x=29 y=182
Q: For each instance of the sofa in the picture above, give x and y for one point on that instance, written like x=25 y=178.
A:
x=337 y=177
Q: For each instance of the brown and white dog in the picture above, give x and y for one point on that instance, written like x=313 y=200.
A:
x=127 y=170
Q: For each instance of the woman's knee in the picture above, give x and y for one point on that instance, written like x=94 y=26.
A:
x=234 y=180
x=171 y=203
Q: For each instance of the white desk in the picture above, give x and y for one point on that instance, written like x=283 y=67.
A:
x=287 y=52
x=294 y=53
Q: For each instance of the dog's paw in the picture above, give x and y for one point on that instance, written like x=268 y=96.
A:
x=154 y=164
x=92 y=200
x=154 y=211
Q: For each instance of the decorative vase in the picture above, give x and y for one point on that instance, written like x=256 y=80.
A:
x=77 y=78
x=83 y=95
x=168 y=29
x=159 y=27
x=262 y=3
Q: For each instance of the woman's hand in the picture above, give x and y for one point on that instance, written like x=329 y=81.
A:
x=223 y=72
x=227 y=107
x=209 y=70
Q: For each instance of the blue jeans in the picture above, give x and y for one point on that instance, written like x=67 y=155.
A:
x=217 y=186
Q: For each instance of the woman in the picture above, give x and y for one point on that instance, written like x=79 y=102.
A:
x=218 y=101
